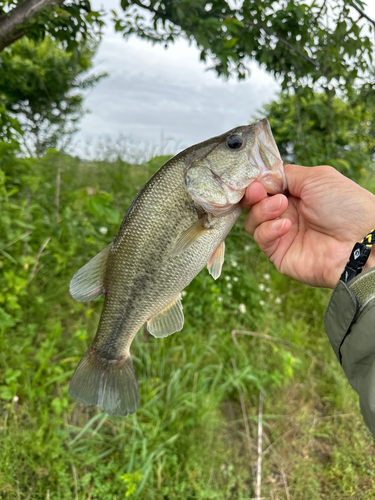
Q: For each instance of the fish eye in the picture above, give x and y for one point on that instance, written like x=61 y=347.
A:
x=235 y=142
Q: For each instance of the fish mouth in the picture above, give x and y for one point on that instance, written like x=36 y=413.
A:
x=275 y=183
x=265 y=155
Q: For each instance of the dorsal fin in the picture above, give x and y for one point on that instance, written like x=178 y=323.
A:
x=88 y=282
x=167 y=321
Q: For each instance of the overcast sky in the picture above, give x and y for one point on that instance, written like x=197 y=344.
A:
x=152 y=92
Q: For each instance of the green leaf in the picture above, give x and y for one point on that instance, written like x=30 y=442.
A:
x=6 y=320
x=6 y=392
x=96 y=207
x=228 y=44
x=344 y=163
x=12 y=375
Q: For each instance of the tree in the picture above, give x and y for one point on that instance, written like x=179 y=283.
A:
x=317 y=49
x=311 y=46
x=311 y=42
x=300 y=42
x=307 y=132
x=40 y=86
x=67 y=22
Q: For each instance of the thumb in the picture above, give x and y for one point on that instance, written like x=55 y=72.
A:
x=297 y=178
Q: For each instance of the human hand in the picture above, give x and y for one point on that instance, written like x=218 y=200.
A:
x=309 y=235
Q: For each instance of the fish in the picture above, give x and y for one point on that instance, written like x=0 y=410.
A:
x=176 y=225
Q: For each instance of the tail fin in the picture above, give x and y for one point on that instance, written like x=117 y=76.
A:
x=112 y=385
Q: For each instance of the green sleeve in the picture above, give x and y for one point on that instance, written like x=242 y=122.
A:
x=350 y=325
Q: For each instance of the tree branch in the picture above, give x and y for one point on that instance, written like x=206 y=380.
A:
x=268 y=337
x=259 y=461
x=10 y=22
x=320 y=12
x=363 y=14
x=253 y=24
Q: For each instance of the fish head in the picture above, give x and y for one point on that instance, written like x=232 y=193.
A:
x=217 y=180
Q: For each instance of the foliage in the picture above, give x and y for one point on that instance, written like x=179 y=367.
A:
x=188 y=440
x=194 y=435
x=291 y=39
x=69 y=23
x=307 y=132
x=41 y=89
x=304 y=43
x=311 y=47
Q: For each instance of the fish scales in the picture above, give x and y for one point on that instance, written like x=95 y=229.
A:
x=162 y=277
x=164 y=211
x=176 y=225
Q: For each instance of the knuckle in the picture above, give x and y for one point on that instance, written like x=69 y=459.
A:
x=328 y=170
x=261 y=235
x=249 y=225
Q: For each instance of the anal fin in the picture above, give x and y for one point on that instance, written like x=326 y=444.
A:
x=167 y=321
x=216 y=261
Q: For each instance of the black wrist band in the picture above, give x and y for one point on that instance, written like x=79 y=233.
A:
x=358 y=258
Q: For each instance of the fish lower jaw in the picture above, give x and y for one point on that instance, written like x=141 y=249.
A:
x=273 y=182
x=218 y=210
x=232 y=197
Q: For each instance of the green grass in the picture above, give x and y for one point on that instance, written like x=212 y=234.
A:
x=188 y=439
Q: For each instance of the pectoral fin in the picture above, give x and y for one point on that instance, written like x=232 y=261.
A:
x=167 y=321
x=216 y=261
x=190 y=236
x=88 y=282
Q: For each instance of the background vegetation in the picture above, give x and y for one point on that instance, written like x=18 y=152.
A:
x=190 y=438
x=205 y=390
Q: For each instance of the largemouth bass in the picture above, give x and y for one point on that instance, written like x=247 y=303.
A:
x=176 y=225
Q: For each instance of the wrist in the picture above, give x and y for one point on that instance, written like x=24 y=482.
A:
x=371 y=260
x=358 y=263
x=333 y=276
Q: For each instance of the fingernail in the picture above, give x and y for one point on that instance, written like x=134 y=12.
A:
x=273 y=204
x=277 y=225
